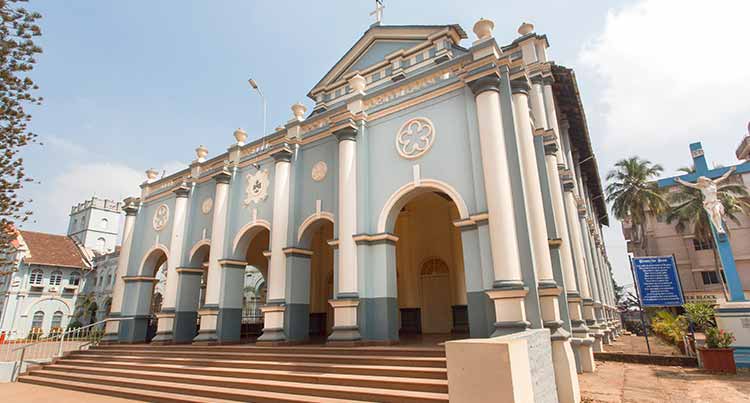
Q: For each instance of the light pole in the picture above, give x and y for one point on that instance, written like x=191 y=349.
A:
x=263 y=98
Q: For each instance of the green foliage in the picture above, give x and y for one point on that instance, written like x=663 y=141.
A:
x=670 y=327
x=17 y=58
x=716 y=338
x=632 y=192
x=701 y=314
x=74 y=324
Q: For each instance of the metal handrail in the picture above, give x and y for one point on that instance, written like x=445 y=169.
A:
x=70 y=335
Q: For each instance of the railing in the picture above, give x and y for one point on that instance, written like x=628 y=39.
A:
x=53 y=345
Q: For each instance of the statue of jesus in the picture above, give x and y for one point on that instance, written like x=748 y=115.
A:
x=711 y=203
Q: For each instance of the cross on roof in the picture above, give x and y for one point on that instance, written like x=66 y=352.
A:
x=378 y=12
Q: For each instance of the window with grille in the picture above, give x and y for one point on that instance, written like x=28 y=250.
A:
x=701 y=244
x=75 y=278
x=57 y=320
x=36 y=277
x=55 y=278
x=36 y=323
x=710 y=277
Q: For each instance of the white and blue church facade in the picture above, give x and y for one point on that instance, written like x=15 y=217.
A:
x=434 y=188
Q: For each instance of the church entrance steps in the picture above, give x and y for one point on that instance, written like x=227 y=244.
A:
x=248 y=373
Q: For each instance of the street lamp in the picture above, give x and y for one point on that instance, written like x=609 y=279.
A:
x=263 y=98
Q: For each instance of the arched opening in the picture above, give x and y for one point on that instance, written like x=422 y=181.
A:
x=155 y=265
x=37 y=324
x=429 y=266
x=315 y=239
x=253 y=245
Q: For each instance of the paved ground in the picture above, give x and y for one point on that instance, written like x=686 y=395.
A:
x=623 y=382
x=26 y=393
x=637 y=344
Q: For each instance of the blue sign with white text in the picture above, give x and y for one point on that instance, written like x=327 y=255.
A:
x=657 y=281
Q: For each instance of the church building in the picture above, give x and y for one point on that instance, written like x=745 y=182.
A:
x=438 y=186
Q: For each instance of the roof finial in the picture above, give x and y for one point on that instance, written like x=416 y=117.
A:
x=378 y=12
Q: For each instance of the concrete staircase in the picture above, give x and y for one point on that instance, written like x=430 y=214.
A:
x=187 y=373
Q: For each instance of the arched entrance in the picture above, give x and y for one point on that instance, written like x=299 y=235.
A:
x=253 y=245
x=429 y=266
x=314 y=238
x=154 y=271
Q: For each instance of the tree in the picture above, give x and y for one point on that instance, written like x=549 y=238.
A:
x=632 y=192
x=17 y=51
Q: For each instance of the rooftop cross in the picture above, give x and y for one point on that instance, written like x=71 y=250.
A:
x=378 y=12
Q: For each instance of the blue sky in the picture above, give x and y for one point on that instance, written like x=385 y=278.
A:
x=137 y=84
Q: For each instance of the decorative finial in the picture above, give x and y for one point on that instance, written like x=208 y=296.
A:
x=526 y=28
x=201 y=152
x=483 y=29
x=299 y=110
x=358 y=83
x=151 y=175
x=240 y=135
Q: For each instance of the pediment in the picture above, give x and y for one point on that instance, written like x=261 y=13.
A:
x=381 y=41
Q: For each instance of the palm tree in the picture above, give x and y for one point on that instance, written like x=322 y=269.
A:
x=686 y=209
x=632 y=191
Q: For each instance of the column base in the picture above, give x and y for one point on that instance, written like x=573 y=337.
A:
x=598 y=342
x=111 y=330
x=208 y=333
x=345 y=321
x=165 y=322
x=133 y=330
x=273 y=324
x=185 y=326
x=510 y=313
x=583 y=349
x=566 y=376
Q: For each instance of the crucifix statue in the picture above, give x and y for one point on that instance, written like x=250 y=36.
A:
x=711 y=203
x=378 y=12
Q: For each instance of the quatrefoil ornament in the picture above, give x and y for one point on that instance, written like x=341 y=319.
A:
x=415 y=137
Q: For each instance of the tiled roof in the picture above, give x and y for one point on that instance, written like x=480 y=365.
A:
x=52 y=250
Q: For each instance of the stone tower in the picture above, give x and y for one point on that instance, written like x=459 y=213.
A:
x=95 y=224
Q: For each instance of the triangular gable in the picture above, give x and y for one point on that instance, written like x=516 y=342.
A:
x=380 y=41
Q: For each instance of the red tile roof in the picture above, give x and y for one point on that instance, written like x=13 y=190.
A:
x=53 y=250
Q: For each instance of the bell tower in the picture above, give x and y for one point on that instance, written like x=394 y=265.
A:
x=95 y=224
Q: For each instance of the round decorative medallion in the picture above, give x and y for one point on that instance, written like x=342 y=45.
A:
x=161 y=217
x=208 y=204
x=415 y=137
x=257 y=187
x=319 y=171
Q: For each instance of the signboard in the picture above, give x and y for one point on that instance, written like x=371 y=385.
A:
x=658 y=281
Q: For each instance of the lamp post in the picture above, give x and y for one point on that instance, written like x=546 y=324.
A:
x=255 y=86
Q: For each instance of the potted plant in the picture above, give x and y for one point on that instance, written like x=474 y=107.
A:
x=718 y=355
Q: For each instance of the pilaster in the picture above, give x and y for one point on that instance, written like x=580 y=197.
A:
x=112 y=327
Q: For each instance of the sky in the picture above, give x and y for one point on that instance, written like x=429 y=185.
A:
x=139 y=84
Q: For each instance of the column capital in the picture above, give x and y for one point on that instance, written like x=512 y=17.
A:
x=284 y=154
x=536 y=79
x=486 y=83
x=520 y=86
x=182 y=191
x=548 y=80
x=346 y=133
x=223 y=176
x=131 y=205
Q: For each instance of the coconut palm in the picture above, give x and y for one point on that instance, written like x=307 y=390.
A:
x=632 y=191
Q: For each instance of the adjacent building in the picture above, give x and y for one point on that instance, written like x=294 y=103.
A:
x=697 y=260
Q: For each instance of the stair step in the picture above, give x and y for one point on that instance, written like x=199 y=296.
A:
x=140 y=370
x=434 y=362
x=115 y=391
x=380 y=351
x=249 y=388
x=375 y=370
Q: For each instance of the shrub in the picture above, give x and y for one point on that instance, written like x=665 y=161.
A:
x=700 y=314
x=716 y=338
x=670 y=327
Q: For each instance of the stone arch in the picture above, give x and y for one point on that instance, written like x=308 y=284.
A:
x=389 y=213
x=246 y=234
x=152 y=260
x=309 y=225
x=199 y=252
x=33 y=307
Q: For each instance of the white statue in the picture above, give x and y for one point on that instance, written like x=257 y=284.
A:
x=711 y=202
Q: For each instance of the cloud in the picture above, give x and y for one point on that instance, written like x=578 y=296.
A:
x=673 y=72
x=61 y=144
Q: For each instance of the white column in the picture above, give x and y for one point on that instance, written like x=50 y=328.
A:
x=165 y=322
x=508 y=293
x=274 y=311
x=210 y=309
x=130 y=209
x=346 y=300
